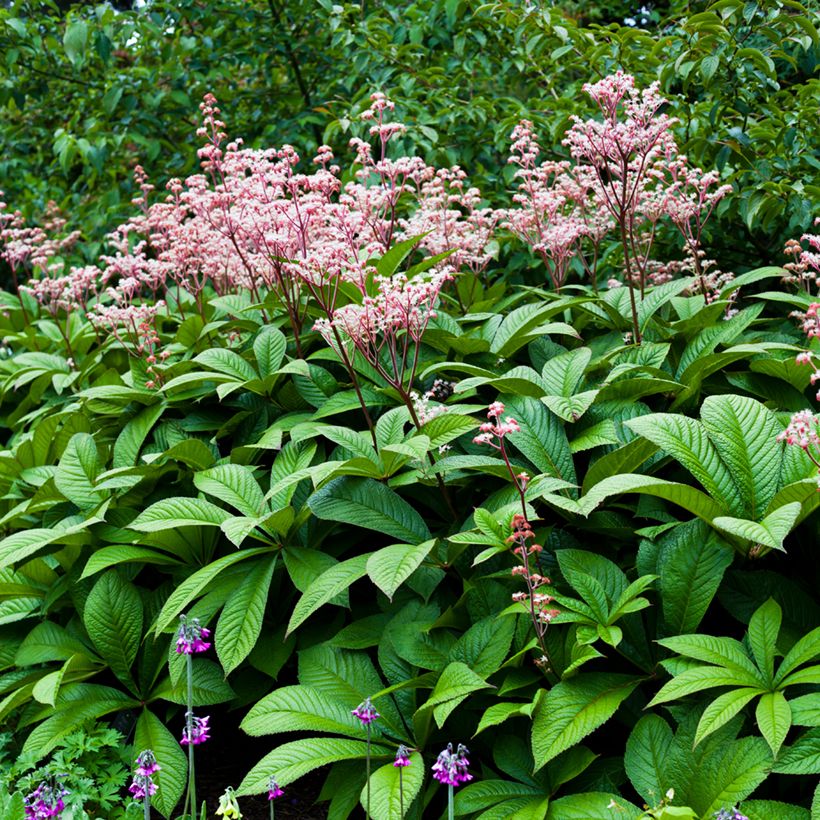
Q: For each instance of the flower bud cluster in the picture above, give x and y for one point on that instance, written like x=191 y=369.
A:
x=451 y=767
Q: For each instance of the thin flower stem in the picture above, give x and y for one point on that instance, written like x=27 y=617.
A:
x=450 y=806
x=272 y=809
x=146 y=806
x=401 y=793
x=190 y=720
x=367 y=807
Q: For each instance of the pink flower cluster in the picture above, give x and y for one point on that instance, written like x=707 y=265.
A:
x=495 y=429
x=366 y=712
x=45 y=801
x=804 y=269
x=274 y=790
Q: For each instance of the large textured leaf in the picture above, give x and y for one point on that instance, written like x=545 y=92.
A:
x=542 y=438
x=647 y=757
x=172 y=513
x=574 y=708
x=389 y=793
x=484 y=793
x=764 y=627
x=686 y=441
x=227 y=362
x=194 y=584
x=591 y=806
x=774 y=719
x=770 y=532
x=745 y=433
x=113 y=619
x=390 y=567
x=133 y=435
x=366 y=503
x=301 y=709
x=235 y=485
x=292 y=760
x=722 y=709
x=151 y=733
x=683 y=495
x=240 y=622
x=805 y=650
x=455 y=683
x=269 y=348
x=803 y=756
x=484 y=646
x=78 y=468
x=77 y=704
x=327 y=586
x=691 y=562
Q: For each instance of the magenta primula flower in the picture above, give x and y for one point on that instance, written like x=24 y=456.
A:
x=45 y=801
x=191 y=637
x=196 y=731
x=402 y=757
x=450 y=767
x=366 y=712
x=274 y=790
x=146 y=767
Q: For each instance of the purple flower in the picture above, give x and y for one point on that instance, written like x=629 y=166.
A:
x=451 y=768
x=190 y=636
x=45 y=801
x=365 y=712
x=196 y=732
x=143 y=784
x=274 y=790
x=730 y=814
x=402 y=756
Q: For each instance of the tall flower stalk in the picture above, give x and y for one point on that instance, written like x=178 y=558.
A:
x=190 y=640
x=537 y=603
x=366 y=713
x=402 y=760
x=274 y=791
x=143 y=787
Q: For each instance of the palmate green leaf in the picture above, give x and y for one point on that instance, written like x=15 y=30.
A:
x=563 y=373
x=687 y=442
x=366 y=503
x=133 y=435
x=571 y=408
x=648 y=751
x=124 y=554
x=327 y=586
x=774 y=719
x=210 y=686
x=49 y=642
x=447 y=427
x=773 y=810
x=194 y=585
x=806 y=710
x=151 y=733
x=722 y=709
x=391 y=566
x=511 y=333
x=484 y=646
x=691 y=561
x=292 y=760
x=172 y=513
x=240 y=621
x=235 y=485
x=113 y=619
x=623 y=460
x=802 y=757
x=574 y=708
x=745 y=433
x=764 y=628
x=78 y=468
x=656 y=297
x=455 y=683
x=301 y=709
x=770 y=532
x=500 y=712
x=388 y=793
